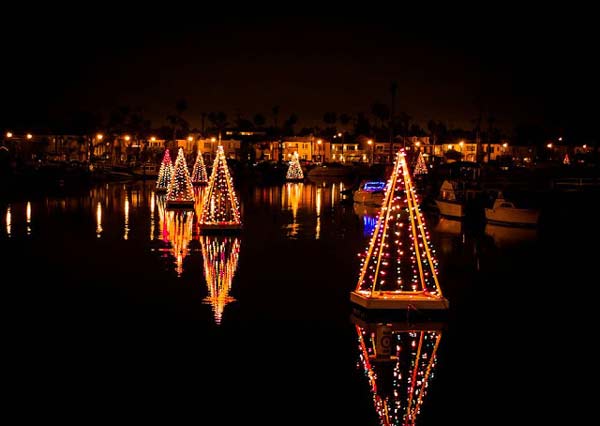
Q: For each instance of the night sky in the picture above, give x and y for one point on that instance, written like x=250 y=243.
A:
x=530 y=70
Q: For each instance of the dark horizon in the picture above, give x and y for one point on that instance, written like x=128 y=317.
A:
x=521 y=73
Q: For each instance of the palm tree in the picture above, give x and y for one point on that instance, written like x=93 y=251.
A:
x=381 y=111
x=259 y=120
x=218 y=120
x=393 y=90
x=345 y=119
x=290 y=123
x=362 y=126
x=432 y=127
x=204 y=114
x=181 y=106
x=275 y=111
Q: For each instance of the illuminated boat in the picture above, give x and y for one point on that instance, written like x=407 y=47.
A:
x=370 y=192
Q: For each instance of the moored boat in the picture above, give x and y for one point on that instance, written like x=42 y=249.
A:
x=370 y=192
x=506 y=213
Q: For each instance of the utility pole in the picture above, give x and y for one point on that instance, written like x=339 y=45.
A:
x=393 y=91
x=479 y=155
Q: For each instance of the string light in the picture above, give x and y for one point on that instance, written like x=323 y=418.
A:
x=294 y=171
x=399 y=260
x=220 y=208
x=199 y=176
x=181 y=192
x=164 y=173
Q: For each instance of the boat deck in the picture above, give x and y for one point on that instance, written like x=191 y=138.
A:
x=399 y=300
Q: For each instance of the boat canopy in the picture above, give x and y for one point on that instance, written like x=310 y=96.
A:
x=374 y=185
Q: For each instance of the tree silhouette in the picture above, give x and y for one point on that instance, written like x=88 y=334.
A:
x=275 y=111
x=290 y=123
x=259 y=120
x=330 y=118
x=362 y=125
x=345 y=119
x=218 y=120
x=380 y=111
x=203 y=115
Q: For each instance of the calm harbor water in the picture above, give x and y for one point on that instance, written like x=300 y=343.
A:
x=118 y=309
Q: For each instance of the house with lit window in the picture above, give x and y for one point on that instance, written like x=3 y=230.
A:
x=208 y=147
x=344 y=152
x=309 y=148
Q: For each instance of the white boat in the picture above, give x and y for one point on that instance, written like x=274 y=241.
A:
x=449 y=201
x=370 y=192
x=146 y=170
x=504 y=212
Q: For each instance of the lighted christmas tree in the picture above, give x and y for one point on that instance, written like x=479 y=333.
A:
x=199 y=171
x=566 y=160
x=294 y=170
x=399 y=269
x=179 y=229
x=165 y=173
x=399 y=363
x=420 y=166
x=181 y=191
x=220 y=256
x=220 y=209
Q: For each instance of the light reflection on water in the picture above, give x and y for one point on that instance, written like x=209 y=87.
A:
x=220 y=255
x=306 y=210
x=296 y=237
x=399 y=361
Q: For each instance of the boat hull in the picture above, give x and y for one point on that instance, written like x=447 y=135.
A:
x=512 y=217
x=451 y=208
x=366 y=197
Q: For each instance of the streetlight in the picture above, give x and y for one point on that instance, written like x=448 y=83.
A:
x=99 y=136
x=370 y=142
x=190 y=138
x=152 y=139
x=212 y=146
x=9 y=135
x=29 y=135
x=549 y=146
x=127 y=137
x=319 y=142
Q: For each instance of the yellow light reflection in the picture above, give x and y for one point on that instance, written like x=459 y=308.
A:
x=98 y=220
x=318 y=209
x=152 y=208
x=293 y=193
x=8 y=221
x=179 y=230
x=332 y=194
x=28 y=216
x=220 y=256
x=126 y=222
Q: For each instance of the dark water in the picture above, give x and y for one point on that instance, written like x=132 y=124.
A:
x=117 y=310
